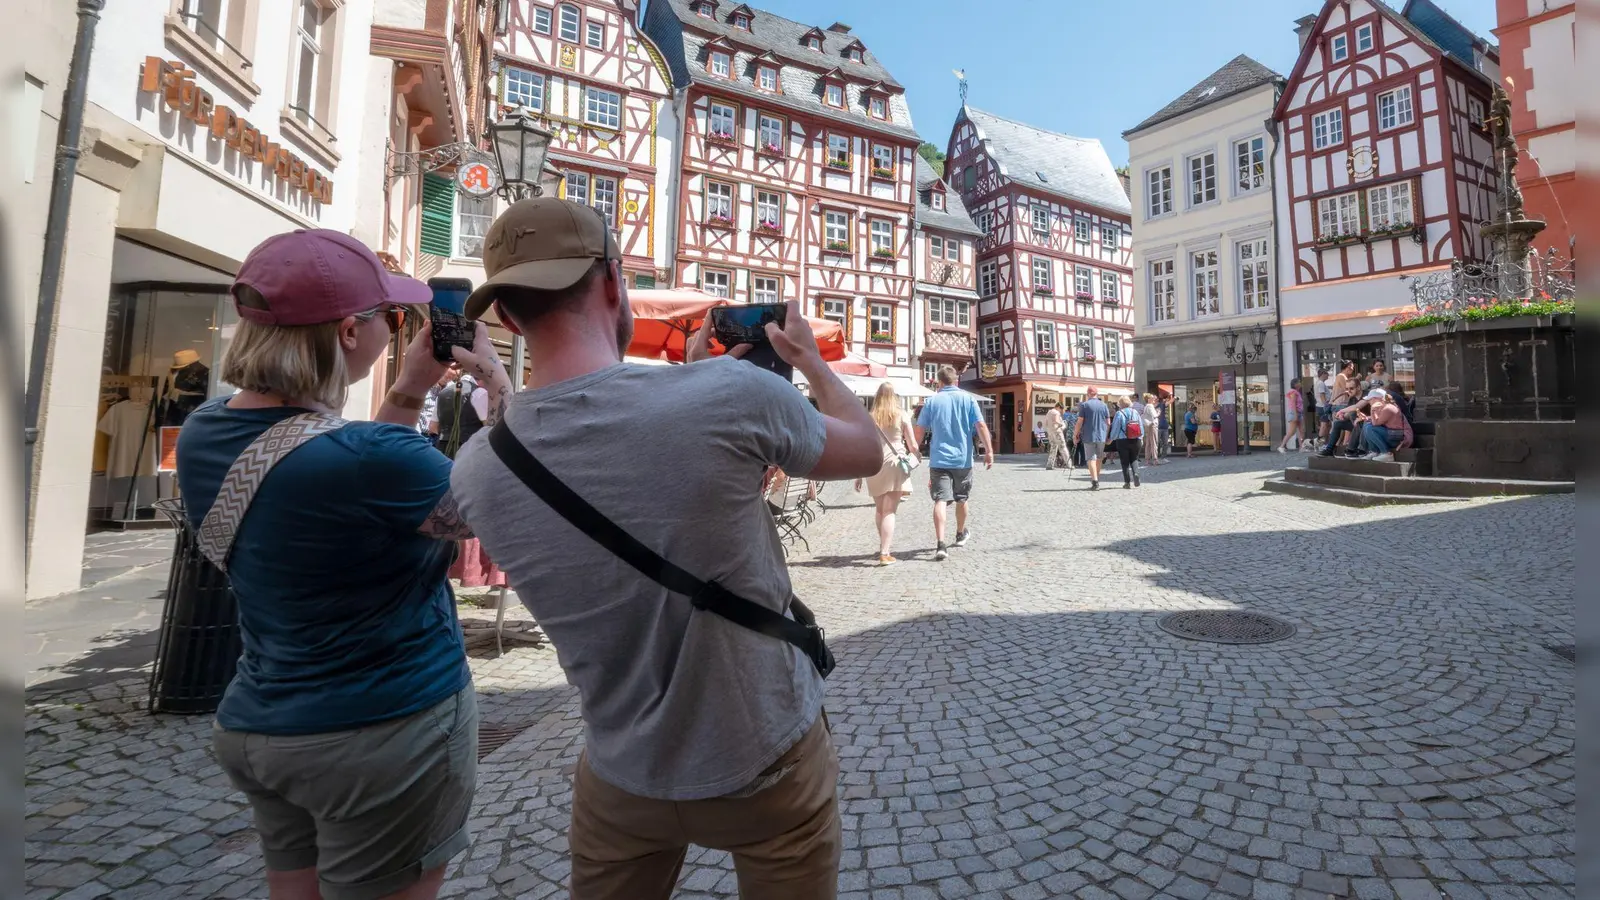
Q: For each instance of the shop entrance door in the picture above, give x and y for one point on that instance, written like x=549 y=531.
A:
x=1008 y=423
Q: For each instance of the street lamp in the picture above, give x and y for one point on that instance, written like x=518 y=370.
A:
x=520 y=147
x=1244 y=356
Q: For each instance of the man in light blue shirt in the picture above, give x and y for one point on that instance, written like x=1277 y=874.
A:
x=1093 y=420
x=951 y=416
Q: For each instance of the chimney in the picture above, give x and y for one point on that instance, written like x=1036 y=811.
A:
x=1127 y=183
x=1302 y=28
x=839 y=28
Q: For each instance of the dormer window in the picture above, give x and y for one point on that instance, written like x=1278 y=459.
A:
x=854 y=54
x=741 y=21
x=812 y=40
x=704 y=10
x=767 y=78
x=835 y=95
x=721 y=64
x=878 y=107
x=938 y=199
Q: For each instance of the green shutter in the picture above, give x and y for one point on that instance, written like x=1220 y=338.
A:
x=438 y=214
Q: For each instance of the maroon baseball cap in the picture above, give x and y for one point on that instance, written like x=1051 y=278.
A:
x=308 y=277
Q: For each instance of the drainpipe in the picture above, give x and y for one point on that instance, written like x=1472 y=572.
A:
x=1277 y=307
x=55 y=239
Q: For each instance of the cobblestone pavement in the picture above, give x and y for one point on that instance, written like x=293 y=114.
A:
x=1013 y=724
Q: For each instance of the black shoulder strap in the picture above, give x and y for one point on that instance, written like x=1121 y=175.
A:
x=801 y=631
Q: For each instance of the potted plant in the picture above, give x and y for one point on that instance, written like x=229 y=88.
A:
x=1045 y=291
x=883 y=253
x=1085 y=295
x=718 y=136
x=880 y=172
x=837 y=246
x=1087 y=356
x=769 y=226
x=1047 y=354
x=771 y=149
x=840 y=164
x=879 y=337
x=720 y=220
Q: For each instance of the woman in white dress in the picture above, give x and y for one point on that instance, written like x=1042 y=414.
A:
x=888 y=487
x=1150 y=421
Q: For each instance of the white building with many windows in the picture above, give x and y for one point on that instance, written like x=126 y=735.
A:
x=1203 y=247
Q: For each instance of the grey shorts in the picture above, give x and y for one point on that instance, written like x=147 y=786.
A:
x=372 y=808
x=1093 y=449
x=950 y=485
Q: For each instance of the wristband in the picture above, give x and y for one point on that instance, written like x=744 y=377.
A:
x=404 y=401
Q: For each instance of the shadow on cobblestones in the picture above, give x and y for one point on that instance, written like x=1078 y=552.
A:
x=114 y=656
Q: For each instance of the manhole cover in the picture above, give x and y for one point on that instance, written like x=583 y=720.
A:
x=493 y=737
x=1225 y=626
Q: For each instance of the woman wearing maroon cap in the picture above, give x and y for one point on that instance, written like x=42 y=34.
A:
x=351 y=724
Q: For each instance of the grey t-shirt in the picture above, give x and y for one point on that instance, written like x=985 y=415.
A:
x=1096 y=417
x=677 y=704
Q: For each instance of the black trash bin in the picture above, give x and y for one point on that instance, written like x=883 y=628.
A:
x=198 y=648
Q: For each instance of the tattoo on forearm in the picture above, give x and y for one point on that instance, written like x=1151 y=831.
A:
x=498 y=398
x=445 y=522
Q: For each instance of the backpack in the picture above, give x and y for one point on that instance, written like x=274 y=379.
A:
x=1132 y=428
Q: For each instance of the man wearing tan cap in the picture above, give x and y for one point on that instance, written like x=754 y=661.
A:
x=697 y=729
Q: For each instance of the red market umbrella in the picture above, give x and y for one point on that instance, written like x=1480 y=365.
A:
x=856 y=364
x=665 y=320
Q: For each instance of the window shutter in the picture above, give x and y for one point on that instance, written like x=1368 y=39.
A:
x=438 y=214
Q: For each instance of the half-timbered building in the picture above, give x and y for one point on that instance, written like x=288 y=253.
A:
x=796 y=169
x=1053 y=272
x=944 y=309
x=584 y=70
x=1386 y=172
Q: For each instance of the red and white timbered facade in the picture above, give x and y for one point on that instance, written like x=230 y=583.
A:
x=1386 y=167
x=1052 y=267
x=584 y=70
x=796 y=176
x=944 y=251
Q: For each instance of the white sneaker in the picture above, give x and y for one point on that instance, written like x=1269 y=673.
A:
x=1280 y=450
x=962 y=537
x=1384 y=457
x=941 y=554
x=1369 y=456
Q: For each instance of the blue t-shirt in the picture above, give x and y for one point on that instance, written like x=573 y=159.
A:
x=952 y=416
x=1119 y=423
x=345 y=612
x=1095 y=418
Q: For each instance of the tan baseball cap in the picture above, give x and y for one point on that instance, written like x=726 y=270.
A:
x=543 y=243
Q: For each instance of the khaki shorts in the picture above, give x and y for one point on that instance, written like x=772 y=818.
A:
x=372 y=808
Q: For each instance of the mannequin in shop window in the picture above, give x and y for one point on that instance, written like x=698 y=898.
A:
x=185 y=390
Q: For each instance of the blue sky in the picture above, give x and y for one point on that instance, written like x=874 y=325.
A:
x=1084 y=67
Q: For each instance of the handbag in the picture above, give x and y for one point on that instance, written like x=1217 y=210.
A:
x=802 y=631
x=902 y=461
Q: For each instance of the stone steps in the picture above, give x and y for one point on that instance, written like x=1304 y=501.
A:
x=1345 y=497
x=1392 y=480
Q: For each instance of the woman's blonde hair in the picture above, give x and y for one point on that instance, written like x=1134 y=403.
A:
x=301 y=363
x=886 y=409
x=1123 y=402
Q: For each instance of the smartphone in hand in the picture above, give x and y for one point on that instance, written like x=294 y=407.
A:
x=450 y=327
x=735 y=325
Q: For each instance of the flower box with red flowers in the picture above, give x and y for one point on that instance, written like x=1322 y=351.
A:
x=1087 y=357
x=1085 y=295
x=773 y=150
x=770 y=228
x=842 y=165
x=1044 y=291
x=718 y=220
x=836 y=247
x=721 y=137
x=1047 y=354
x=883 y=253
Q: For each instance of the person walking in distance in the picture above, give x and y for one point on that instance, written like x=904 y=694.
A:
x=351 y=724
x=1293 y=408
x=1094 y=420
x=888 y=487
x=1322 y=390
x=697 y=728
x=1150 y=420
x=951 y=416
x=1191 y=429
x=1127 y=429
x=1056 y=436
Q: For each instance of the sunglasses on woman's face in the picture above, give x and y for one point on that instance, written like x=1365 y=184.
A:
x=395 y=316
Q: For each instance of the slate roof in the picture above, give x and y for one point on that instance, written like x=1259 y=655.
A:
x=954 y=216
x=1072 y=167
x=682 y=35
x=1240 y=74
x=1449 y=35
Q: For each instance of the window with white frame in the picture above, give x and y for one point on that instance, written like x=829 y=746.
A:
x=1041 y=276
x=767 y=78
x=704 y=9
x=985 y=222
x=721 y=64
x=836 y=230
x=1044 y=338
x=1389 y=206
x=568 y=15
x=878 y=108
x=541 y=20
x=310 y=67
x=1338 y=216
x=1159 y=196
x=952 y=249
x=719 y=202
x=838 y=151
x=1340 y=47
x=854 y=54
x=935 y=246
x=577 y=186
x=1041 y=223
x=1083 y=282
x=963 y=313
x=1327 y=129
x=1113 y=348
x=1163 y=291
x=764 y=289
x=769 y=210
x=882 y=159
x=1207 y=287
x=769 y=131
x=880 y=322
x=716 y=283
x=473 y=215
x=930 y=372
x=603 y=108
x=722 y=117
x=1110 y=287
x=594 y=35
x=988 y=279
x=523 y=88
x=1080 y=230
x=941 y=311
x=1364 y=38
x=813 y=42
x=1255 y=277
x=835 y=95
x=882 y=233
x=1202 y=179
x=1110 y=236
x=1394 y=108
x=936 y=198
x=1085 y=340
x=991 y=342
x=741 y=21
x=1476 y=111
x=837 y=310
x=1249 y=164
x=605 y=199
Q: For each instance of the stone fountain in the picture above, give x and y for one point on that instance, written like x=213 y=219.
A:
x=1512 y=232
